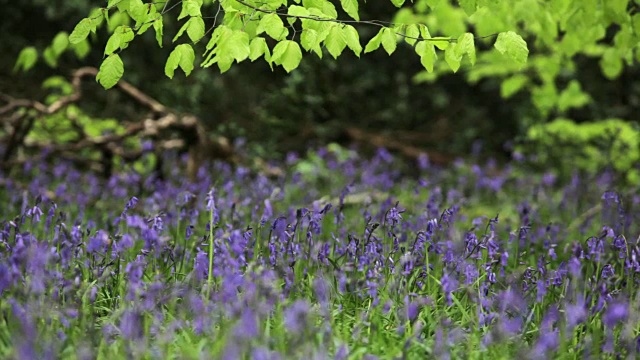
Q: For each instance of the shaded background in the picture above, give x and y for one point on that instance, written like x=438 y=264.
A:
x=278 y=112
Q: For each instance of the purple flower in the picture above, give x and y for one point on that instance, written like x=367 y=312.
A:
x=130 y=205
x=263 y=353
x=321 y=290
x=98 y=242
x=607 y=271
x=343 y=352
x=511 y=326
x=616 y=313
x=35 y=213
x=423 y=161
x=541 y=286
x=575 y=314
x=131 y=324
x=268 y=212
x=50 y=214
x=449 y=285
x=620 y=243
x=296 y=316
x=247 y=327
x=135 y=270
x=394 y=216
x=471 y=274
x=548 y=179
x=611 y=196
x=547 y=342
x=201 y=266
x=211 y=205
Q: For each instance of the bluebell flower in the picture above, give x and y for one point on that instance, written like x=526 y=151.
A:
x=296 y=316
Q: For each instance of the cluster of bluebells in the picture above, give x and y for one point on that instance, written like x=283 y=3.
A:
x=350 y=260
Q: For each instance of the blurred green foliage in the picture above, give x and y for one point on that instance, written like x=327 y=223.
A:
x=588 y=147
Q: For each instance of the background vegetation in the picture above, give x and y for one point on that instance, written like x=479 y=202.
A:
x=574 y=73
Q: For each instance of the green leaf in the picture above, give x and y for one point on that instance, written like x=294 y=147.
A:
x=465 y=45
x=235 y=46
x=81 y=49
x=224 y=63
x=288 y=54
x=544 y=97
x=411 y=33
x=81 y=31
x=258 y=47
x=127 y=35
x=375 y=42
x=50 y=57
x=441 y=43
x=427 y=53
x=190 y=8
x=122 y=5
x=352 y=38
x=351 y=8
x=187 y=58
x=388 y=40
x=111 y=71
x=611 y=64
x=149 y=19
x=182 y=56
x=195 y=29
x=60 y=43
x=138 y=11
x=512 y=85
x=469 y=6
x=220 y=32
x=326 y=7
x=295 y=10
x=117 y=19
x=616 y=10
x=311 y=41
x=273 y=26
x=335 y=42
x=397 y=3
x=120 y=39
x=635 y=24
x=26 y=59
x=433 y=4
x=183 y=28
x=105 y=15
x=453 y=58
x=511 y=44
x=236 y=21
x=113 y=43
x=97 y=16
x=573 y=97
x=158 y=28
x=424 y=31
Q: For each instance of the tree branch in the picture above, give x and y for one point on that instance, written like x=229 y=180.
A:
x=192 y=134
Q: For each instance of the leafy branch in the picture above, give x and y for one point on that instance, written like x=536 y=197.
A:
x=378 y=23
x=240 y=35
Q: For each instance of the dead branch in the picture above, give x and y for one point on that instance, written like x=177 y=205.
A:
x=159 y=125
x=410 y=151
